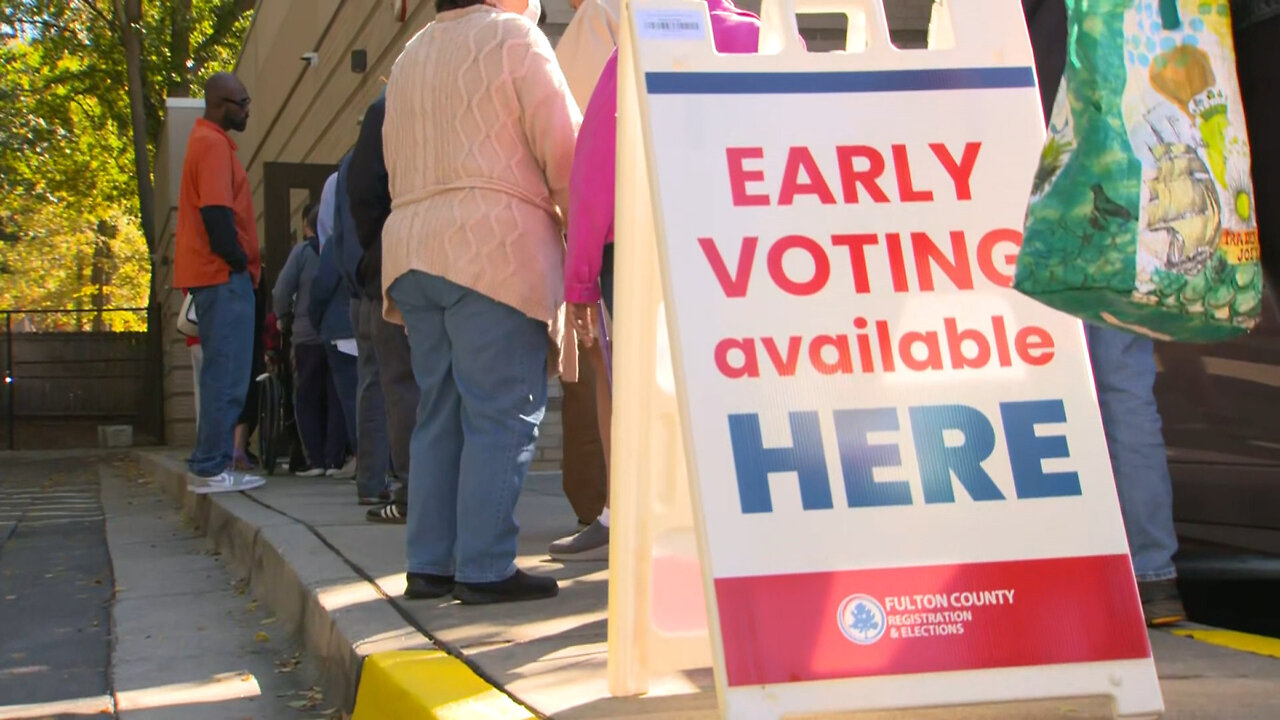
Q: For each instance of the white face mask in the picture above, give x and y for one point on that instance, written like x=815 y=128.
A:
x=533 y=12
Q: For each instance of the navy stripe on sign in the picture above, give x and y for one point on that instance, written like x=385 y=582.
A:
x=792 y=83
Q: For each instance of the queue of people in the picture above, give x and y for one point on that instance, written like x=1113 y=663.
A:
x=462 y=255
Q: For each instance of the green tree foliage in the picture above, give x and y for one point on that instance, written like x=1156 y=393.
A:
x=77 y=135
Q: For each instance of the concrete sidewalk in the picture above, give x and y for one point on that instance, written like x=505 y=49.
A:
x=338 y=580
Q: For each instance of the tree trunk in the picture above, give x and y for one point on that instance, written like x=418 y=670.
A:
x=129 y=16
x=100 y=275
x=77 y=303
x=179 y=48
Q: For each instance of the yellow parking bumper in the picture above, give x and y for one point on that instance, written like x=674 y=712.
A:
x=428 y=684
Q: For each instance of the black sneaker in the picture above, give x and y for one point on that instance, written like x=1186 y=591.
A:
x=425 y=586
x=389 y=514
x=519 y=587
x=1161 y=603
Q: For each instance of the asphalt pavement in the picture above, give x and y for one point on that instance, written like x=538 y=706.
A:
x=113 y=605
x=55 y=582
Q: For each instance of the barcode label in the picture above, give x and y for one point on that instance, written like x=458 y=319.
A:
x=671 y=24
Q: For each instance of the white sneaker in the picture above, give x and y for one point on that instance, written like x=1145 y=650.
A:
x=346 y=472
x=194 y=481
x=227 y=482
x=591 y=543
x=311 y=472
x=248 y=481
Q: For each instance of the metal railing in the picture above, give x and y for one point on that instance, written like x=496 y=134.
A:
x=64 y=320
x=67 y=323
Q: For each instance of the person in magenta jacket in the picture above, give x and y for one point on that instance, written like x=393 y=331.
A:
x=588 y=271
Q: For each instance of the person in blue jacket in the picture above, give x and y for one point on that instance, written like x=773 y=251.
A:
x=317 y=411
x=330 y=314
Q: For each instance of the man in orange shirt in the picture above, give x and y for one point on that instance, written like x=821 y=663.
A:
x=216 y=260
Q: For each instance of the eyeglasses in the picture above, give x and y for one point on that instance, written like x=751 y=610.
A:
x=242 y=102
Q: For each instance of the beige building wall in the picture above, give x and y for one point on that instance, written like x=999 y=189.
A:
x=309 y=111
x=179 y=392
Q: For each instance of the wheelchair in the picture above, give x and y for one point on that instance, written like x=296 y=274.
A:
x=277 y=429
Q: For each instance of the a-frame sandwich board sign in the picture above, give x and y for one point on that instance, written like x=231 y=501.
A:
x=898 y=471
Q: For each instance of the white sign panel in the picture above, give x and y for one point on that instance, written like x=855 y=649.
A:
x=899 y=467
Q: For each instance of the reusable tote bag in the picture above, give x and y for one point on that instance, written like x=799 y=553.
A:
x=187 y=323
x=1141 y=214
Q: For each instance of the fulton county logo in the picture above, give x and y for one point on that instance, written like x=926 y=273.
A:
x=862 y=619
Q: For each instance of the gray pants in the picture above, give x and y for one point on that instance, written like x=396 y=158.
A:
x=372 y=451
x=400 y=390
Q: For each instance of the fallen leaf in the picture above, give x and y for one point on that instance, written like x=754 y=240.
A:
x=253 y=605
x=314 y=698
x=289 y=664
x=261 y=636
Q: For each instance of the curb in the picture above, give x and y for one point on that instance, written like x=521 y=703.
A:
x=341 y=618
x=374 y=662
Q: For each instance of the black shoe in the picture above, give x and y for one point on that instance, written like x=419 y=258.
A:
x=517 y=588
x=425 y=586
x=1161 y=604
x=389 y=514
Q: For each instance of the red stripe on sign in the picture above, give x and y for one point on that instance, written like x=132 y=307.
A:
x=855 y=623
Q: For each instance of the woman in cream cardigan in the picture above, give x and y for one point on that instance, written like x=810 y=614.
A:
x=479 y=136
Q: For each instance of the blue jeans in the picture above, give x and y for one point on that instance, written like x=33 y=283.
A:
x=482 y=370
x=1124 y=371
x=342 y=368
x=225 y=316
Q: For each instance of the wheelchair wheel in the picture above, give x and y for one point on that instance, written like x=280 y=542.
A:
x=270 y=421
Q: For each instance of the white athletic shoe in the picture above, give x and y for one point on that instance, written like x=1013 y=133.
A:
x=346 y=472
x=591 y=543
x=227 y=482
